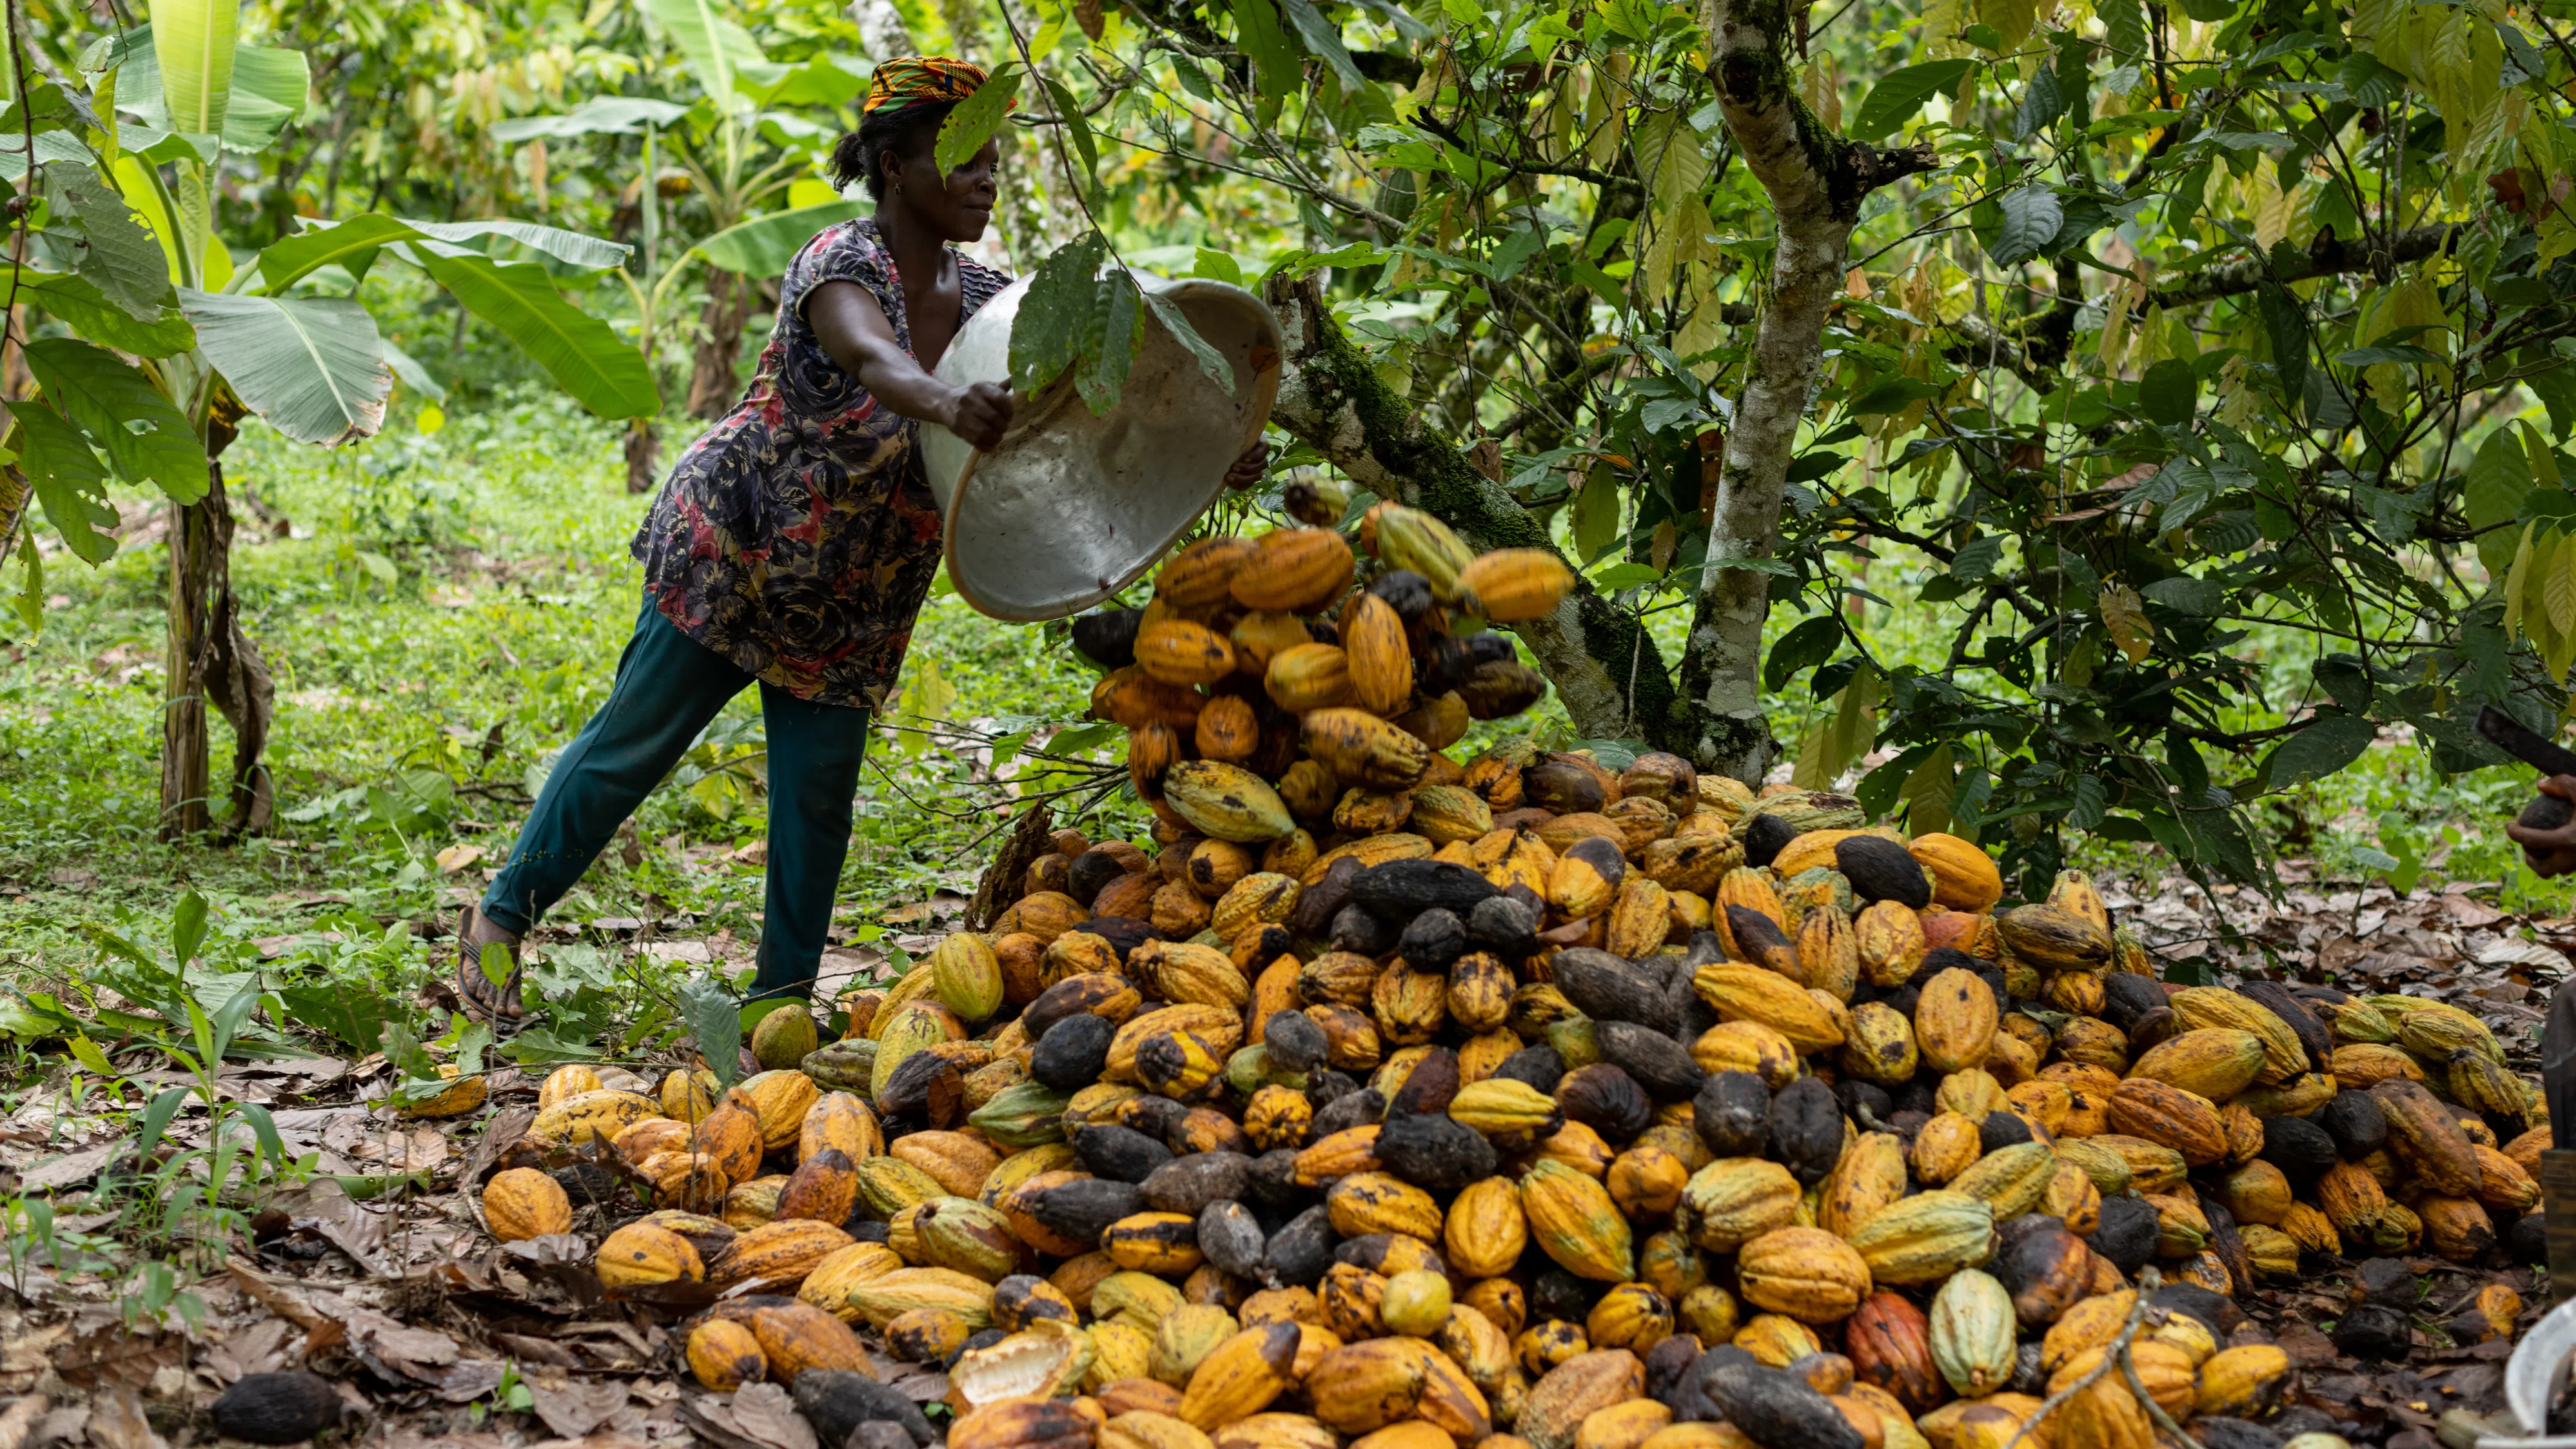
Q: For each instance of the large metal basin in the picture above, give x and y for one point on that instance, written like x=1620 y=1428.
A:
x=1072 y=508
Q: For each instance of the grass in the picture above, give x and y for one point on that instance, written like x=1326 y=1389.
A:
x=441 y=612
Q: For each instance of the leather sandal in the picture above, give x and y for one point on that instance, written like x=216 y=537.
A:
x=481 y=1001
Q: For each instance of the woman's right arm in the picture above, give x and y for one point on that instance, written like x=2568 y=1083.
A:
x=855 y=334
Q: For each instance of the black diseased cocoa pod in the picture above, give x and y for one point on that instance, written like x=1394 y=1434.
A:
x=1658 y=1063
x=2046 y=1270
x=1445 y=665
x=1300 y=1253
x=1879 y=869
x=1362 y=932
x=837 y=1401
x=1328 y=1086
x=1092 y=871
x=1071 y=1055
x=1189 y=1184
x=1429 y=1087
x=1778 y=1411
x=1765 y=836
x=924 y=1088
x=1272 y=1185
x=1296 y=1043
x=2372 y=1332
x=2299 y=1419
x=2127 y=1233
x=1490 y=648
x=2354 y=1121
x=1916 y=1096
x=1107 y=639
x=1157 y=1117
x=1433 y=940
x=1320 y=630
x=1605 y=988
x=1402 y=889
x=2002 y=1129
x=2153 y=1026
x=2279 y=1000
x=1733 y=1114
x=1504 y=925
x=1083 y=1208
x=1351 y=1109
x=1539 y=1066
x=1903 y=999
x=1232 y=1239
x=863 y=1231
x=1406 y=592
x=1759 y=939
x=2220 y=1313
x=2126 y=996
x=1123 y=933
x=2215 y=1431
x=1121 y=1154
x=1319 y=903
x=2389 y=1281
x=1499 y=689
x=1858 y=1096
x=2224 y=1240
x=1944 y=958
x=1806 y=1130
x=282 y=1408
x=1560 y=786
x=2527 y=1238
x=1556 y=1293
x=2300 y=1148
x=2030 y=1372
x=1668 y=1370
x=1607 y=1100
x=1437 y=1153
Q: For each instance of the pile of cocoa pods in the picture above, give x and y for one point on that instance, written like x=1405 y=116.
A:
x=1660 y=1115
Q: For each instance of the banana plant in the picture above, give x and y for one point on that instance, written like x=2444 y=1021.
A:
x=119 y=245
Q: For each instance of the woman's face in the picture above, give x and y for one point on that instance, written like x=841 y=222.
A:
x=956 y=207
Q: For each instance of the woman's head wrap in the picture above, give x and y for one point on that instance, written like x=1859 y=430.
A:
x=913 y=79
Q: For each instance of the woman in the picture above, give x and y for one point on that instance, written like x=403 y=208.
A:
x=791 y=546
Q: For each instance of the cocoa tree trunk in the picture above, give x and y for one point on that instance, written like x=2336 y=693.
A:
x=1816 y=181
x=713 y=385
x=209 y=660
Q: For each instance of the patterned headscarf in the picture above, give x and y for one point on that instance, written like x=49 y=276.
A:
x=916 y=78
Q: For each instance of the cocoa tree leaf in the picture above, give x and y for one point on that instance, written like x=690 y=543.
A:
x=68 y=479
x=715 y=1021
x=2124 y=614
x=1894 y=100
x=973 y=122
x=2032 y=215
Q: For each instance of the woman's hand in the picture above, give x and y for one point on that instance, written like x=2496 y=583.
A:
x=979 y=412
x=2551 y=852
x=1247 y=469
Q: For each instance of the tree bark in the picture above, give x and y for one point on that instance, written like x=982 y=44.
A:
x=643 y=452
x=1815 y=180
x=1605 y=668
x=713 y=385
x=209 y=660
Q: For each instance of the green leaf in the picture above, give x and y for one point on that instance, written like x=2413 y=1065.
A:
x=764 y=245
x=2041 y=103
x=121 y=258
x=2032 y=215
x=1257 y=34
x=311 y=366
x=1808 y=643
x=355 y=1017
x=270 y=88
x=574 y=248
x=2124 y=26
x=2166 y=392
x=1075 y=121
x=2327 y=744
x=713 y=42
x=156 y=1119
x=1110 y=350
x=1596 y=514
x=1168 y=314
x=972 y=123
x=68 y=479
x=2499 y=477
x=598 y=116
x=145 y=437
x=1929 y=790
x=2188 y=595
x=715 y=1021
x=1063 y=299
x=2285 y=322
x=577 y=350
x=1323 y=39
x=78 y=303
x=193 y=43
x=1894 y=100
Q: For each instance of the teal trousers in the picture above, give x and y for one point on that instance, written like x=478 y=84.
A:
x=669 y=687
